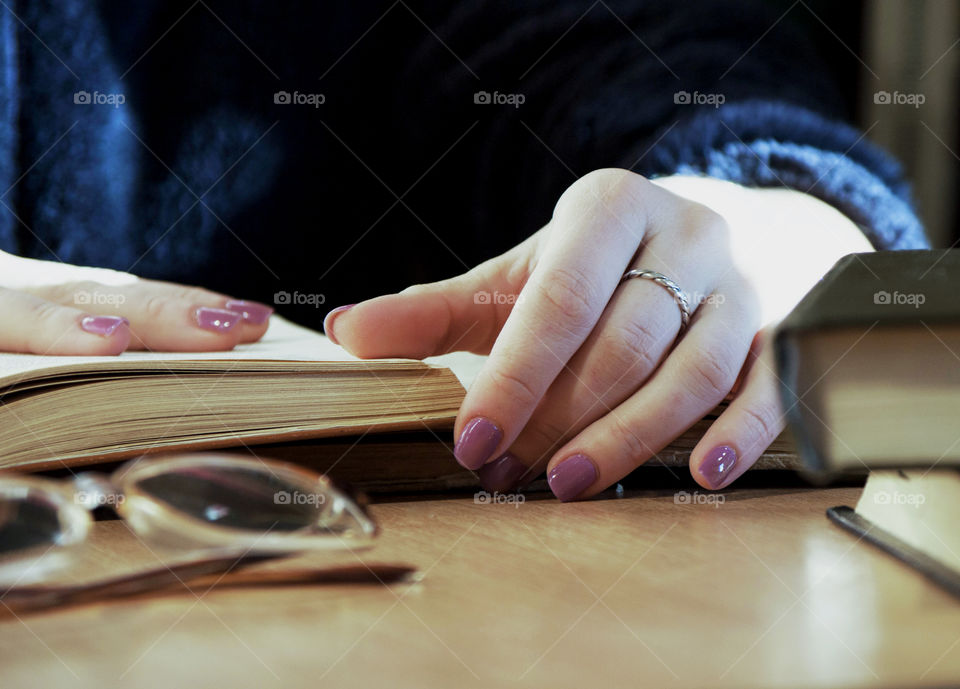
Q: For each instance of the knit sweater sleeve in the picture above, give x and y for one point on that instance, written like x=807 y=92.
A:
x=765 y=143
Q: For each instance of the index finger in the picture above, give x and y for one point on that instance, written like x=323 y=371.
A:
x=596 y=228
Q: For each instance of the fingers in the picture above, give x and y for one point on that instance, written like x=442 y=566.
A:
x=463 y=313
x=693 y=379
x=168 y=317
x=35 y=326
x=596 y=229
x=748 y=425
x=630 y=340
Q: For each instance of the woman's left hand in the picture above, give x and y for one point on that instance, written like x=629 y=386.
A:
x=587 y=377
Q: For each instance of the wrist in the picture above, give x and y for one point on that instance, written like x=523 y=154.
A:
x=778 y=236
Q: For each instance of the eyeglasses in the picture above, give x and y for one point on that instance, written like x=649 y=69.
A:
x=205 y=502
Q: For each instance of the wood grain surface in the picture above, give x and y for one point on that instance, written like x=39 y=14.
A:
x=757 y=591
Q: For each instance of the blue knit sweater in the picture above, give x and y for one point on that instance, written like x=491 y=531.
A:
x=391 y=168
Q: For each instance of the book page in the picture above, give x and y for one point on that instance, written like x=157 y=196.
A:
x=284 y=341
x=465 y=365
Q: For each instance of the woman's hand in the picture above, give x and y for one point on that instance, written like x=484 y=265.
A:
x=587 y=376
x=54 y=308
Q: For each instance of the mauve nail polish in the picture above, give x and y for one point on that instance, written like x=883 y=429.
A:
x=330 y=318
x=717 y=465
x=102 y=325
x=571 y=477
x=478 y=440
x=218 y=320
x=252 y=311
x=503 y=474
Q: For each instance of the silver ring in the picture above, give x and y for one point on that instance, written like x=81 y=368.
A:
x=678 y=294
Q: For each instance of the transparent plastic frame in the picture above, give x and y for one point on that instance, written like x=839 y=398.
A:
x=333 y=519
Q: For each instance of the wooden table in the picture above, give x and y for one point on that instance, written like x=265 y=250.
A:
x=760 y=591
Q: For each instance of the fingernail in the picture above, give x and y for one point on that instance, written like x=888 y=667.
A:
x=503 y=474
x=478 y=440
x=217 y=320
x=252 y=311
x=571 y=477
x=102 y=325
x=717 y=466
x=330 y=318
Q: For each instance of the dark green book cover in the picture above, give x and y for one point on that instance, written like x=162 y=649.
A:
x=885 y=286
x=866 y=290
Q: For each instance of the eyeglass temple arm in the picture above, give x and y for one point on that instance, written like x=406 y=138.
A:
x=29 y=598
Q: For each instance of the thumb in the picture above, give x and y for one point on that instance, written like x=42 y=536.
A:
x=463 y=313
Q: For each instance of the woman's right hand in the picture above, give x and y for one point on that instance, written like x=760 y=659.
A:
x=60 y=309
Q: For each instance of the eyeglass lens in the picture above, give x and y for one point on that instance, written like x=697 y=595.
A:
x=240 y=498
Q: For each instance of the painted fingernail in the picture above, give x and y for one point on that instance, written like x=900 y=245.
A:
x=217 y=320
x=571 y=477
x=717 y=466
x=330 y=318
x=503 y=474
x=478 y=440
x=252 y=311
x=102 y=325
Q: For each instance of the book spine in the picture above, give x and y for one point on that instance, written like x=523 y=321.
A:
x=787 y=356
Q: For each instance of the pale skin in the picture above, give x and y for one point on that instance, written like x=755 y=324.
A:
x=579 y=364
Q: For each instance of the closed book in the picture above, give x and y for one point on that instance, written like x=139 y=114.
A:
x=869 y=363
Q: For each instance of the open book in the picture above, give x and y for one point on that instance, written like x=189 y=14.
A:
x=293 y=384
x=293 y=395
